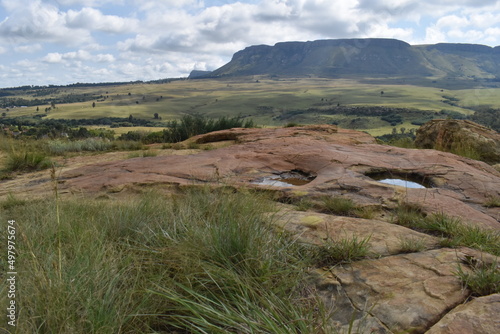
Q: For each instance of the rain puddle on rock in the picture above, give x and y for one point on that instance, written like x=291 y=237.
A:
x=402 y=183
x=285 y=179
x=406 y=180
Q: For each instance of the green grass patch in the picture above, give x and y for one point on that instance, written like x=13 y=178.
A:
x=453 y=231
x=60 y=147
x=202 y=261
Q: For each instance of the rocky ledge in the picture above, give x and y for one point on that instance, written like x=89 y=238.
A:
x=390 y=291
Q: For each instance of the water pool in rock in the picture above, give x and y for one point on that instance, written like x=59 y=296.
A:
x=406 y=179
x=402 y=183
x=285 y=179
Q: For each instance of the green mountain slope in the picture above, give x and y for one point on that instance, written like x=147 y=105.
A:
x=366 y=58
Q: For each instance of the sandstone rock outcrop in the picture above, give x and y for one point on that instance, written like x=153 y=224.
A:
x=343 y=162
x=471 y=318
x=391 y=291
x=460 y=136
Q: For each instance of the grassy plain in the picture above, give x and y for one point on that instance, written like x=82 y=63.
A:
x=262 y=99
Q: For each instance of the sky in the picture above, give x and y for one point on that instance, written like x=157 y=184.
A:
x=59 y=42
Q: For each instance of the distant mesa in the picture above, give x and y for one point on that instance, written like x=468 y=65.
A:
x=198 y=74
x=363 y=58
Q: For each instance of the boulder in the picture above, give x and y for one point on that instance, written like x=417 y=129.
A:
x=461 y=137
x=480 y=316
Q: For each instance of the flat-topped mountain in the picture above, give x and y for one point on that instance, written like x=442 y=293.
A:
x=375 y=58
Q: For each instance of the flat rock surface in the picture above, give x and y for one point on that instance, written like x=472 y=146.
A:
x=480 y=316
x=339 y=160
x=408 y=292
x=383 y=238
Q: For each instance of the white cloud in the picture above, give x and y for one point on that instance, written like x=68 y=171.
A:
x=53 y=57
x=31 y=48
x=37 y=21
x=87 y=3
x=77 y=56
x=150 y=39
x=104 y=58
x=93 y=19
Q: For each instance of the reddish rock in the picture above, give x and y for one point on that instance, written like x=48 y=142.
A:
x=407 y=293
x=460 y=136
x=339 y=159
x=480 y=316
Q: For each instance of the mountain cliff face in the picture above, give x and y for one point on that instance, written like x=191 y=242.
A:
x=365 y=58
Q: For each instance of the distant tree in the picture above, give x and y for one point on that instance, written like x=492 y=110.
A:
x=130 y=118
x=53 y=105
x=37 y=109
x=382 y=93
x=156 y=115
x=394 y=131
x=93 y=104
x=403 y=130
x=4 y=114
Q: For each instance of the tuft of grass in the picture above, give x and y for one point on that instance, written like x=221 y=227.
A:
x=411 y=245
x=483 y=280
x=408 y=214
x=343 y=250
x=493 y=202
x=12 y=201
x=304 y=204
x=453 y=231
x=338 y=205
x=366 y=212
x=193 y=145
x=25 y=160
